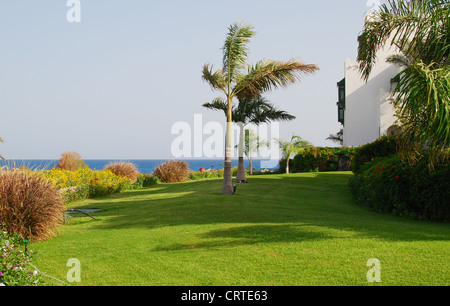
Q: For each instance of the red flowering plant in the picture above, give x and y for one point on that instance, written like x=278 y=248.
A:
x=391 y=185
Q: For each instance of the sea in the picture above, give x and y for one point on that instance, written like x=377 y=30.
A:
x=142 y=165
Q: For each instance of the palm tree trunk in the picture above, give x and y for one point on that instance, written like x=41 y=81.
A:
x=251 y=165
x=240 y=177
x=227 y=187
x=287 y=166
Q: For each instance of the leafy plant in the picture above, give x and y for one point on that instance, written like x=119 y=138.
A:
x=383 y=147
x=420 y=29
x=14 y=262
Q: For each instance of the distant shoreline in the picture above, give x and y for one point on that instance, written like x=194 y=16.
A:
x=143 y=165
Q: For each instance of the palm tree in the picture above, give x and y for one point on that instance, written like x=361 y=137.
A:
x=252 y=144
x=236 y=78
x=338 y=137
x=292 y=147
x=420 y=29
x=1 y=156
x=256 y=110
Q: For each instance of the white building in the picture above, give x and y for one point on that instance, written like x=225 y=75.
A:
x=364 y=108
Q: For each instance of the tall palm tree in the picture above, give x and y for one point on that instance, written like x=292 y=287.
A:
x=255 y=110
x=420 y=29
x=237 y=78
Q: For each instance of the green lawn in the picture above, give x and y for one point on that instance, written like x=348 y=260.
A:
x=282 y=230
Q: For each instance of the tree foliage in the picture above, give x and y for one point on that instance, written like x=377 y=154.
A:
x=420 y=29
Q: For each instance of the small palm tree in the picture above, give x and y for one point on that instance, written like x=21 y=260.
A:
x=252 y=144
x=255 y=110
x=236 y=78
x=292 y=147
x=338 y=137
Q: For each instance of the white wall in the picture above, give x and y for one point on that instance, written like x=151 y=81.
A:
x=368 y=112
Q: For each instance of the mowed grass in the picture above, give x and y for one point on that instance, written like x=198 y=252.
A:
x=277 y=230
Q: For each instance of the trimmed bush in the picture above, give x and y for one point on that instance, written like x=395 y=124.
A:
x=29 y=205
x=125 y=169
x=71 y=161
x=382 y=147
x=391 y=186
x=173 y=172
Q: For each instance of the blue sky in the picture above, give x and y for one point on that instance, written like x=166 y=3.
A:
x=112 y=86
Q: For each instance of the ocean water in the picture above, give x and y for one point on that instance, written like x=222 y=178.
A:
x=143 y=166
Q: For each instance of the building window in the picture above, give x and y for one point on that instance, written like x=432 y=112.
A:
x=341 y=114
x=341 y=103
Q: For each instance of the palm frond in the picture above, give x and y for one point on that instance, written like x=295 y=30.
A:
x=416 y=27
x=259 y=110
x=217 y=104
x=338 y=137
x=215 y=79
x=267 y=75
x=399 y=60
x=423 y=99
x=235 y=50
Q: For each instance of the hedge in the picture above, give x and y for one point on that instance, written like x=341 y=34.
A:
x=392 y=186
x=382 y=147
x=321 y=159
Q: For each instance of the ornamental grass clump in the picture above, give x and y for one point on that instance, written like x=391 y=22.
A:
x=29 y=205
x=125 y=169
x=173 y=172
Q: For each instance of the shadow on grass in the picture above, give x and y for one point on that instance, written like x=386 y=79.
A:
x=249 y=235
x=281 y=208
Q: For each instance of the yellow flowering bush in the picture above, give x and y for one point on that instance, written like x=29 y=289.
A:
x=85 y=183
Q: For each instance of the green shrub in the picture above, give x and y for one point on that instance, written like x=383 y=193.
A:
x=391 y=186
x=321 y=159
x=209 y=174
x=382 y=147
x=14 y=262
x=173 y=172
x=29 y=205
x=145 y=180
